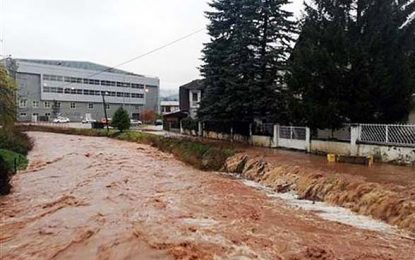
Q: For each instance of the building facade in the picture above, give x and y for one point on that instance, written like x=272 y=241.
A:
x=190 y=96
x=169 y=107
x=47 y=89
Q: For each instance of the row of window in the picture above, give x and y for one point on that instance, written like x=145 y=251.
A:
x=89 y=92
x=93 y=82
x=48 y=105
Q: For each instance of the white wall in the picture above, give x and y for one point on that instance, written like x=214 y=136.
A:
x=401 y=155
x=330 y=147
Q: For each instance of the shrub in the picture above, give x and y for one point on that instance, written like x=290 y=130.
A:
x=121 y=120
x=10 y=158
x=190 y=124
x=4 y=178
x=16 y=141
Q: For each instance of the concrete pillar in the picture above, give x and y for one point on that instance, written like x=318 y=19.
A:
x=354 y=137
x=308 y=139
x=275 y=138
x=250 y=134
x=181 y=127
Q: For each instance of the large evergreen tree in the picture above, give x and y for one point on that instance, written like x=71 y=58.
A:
x=352 y=63
x=249 y=42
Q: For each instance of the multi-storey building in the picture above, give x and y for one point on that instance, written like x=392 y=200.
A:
x=190 y=96
x=47 y=89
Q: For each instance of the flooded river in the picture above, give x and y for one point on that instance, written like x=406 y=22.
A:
x=97 y=198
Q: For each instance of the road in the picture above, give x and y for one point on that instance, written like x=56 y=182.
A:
x=98 y=198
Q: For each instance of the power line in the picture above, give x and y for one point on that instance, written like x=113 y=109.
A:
x=142 y=55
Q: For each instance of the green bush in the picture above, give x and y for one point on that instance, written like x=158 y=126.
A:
x=4 y=178
x=11 y=157
x=121 y=120
x=190 y=124
x=16 y=141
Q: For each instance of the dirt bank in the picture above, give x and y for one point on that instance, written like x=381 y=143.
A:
x=391 y=203
x=97 y=198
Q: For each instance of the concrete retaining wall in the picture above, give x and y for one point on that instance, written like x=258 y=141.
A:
x=330 y=147
x=261 y=141
x=399 y=155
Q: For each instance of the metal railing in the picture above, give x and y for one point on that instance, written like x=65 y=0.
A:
x=293 y=132
x=387 y=134
x=266 y=129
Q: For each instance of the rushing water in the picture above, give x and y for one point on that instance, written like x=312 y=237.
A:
x=97 y=198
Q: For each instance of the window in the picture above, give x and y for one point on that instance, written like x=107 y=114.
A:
x=140 y=86
x=23 y=114
x=107 y=106
x=73 y=105
x=46 y=89
x=35 y=114
x=47 y=114
x=47 y=104
x=22 y=103
x=195 y=97
x=91 y=106
x=57 y=104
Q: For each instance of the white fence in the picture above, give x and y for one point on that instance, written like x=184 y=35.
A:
x=399 y=135
x=292 y=137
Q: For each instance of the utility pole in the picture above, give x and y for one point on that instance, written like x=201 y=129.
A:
x=105 y=110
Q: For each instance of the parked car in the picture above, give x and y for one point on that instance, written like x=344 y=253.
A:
x=88 y=121
x=135 y=122
x=159 y=122
x=61 y=119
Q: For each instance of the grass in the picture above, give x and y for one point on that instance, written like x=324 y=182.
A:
x=10 y=157
x=203 y=156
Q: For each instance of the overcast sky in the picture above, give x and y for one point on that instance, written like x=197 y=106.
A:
x=110 y=32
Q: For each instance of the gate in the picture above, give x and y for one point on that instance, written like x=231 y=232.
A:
x=293 y=137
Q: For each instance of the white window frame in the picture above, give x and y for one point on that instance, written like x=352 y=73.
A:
x=22 y=103
x=73 y=105
x=91 y=106
x=35 y=104
x=23 y=115
x=47 y=105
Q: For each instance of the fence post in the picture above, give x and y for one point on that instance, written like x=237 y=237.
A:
x=181 y=127
x=308 y=139
x=231 y=134
x=276 y=136
x=354 y=137
x=250 y=134
x=387 y=134
x=291 y=133
x=200 y=128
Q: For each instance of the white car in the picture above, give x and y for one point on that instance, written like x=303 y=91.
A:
x=88 y=121
x=135 y=122
x=61 y=119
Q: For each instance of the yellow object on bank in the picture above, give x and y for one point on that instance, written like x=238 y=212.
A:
x=331 y=158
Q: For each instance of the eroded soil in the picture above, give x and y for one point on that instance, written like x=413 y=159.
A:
x=96 y=198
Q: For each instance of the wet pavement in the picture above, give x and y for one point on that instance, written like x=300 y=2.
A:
x=97 y=198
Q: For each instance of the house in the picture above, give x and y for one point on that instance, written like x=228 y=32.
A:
x=169 y=107
x=74 y=89
x=190 y=96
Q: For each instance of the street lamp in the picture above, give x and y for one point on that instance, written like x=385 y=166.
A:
x=105 y=110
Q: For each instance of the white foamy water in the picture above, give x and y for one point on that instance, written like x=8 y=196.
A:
x=326 y=211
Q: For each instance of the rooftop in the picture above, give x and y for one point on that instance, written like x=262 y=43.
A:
x=194 y=85
x=85 y=65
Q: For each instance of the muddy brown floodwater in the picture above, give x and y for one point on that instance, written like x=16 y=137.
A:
x=97 y=198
